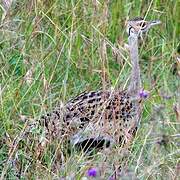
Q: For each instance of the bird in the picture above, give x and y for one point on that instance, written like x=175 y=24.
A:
x=103 y=117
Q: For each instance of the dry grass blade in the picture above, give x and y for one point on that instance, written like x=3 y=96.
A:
x=103 y=56
x=177 y=111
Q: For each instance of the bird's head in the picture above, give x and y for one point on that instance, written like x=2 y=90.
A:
x=138 y=26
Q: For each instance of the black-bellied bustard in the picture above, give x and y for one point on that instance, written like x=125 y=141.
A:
x=96 y=117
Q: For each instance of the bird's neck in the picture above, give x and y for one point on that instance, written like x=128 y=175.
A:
x=135 y=82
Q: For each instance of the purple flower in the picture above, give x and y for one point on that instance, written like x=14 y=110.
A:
x=143 y=94
x=92 y=172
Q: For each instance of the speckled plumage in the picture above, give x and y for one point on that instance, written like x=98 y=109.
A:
x=108 y=114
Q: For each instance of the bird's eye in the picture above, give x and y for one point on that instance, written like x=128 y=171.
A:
x=142 y=24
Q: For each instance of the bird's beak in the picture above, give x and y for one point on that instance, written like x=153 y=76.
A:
x=155 y=22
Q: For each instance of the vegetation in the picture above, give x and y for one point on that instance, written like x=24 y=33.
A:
x=52 y=50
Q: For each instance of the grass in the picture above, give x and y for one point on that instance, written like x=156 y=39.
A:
x=53 y=50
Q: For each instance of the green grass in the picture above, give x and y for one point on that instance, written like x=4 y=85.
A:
x=51 y=51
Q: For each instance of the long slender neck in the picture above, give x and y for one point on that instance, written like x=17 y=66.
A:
x=135 y=82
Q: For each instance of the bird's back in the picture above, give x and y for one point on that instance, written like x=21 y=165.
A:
x=104 y=113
